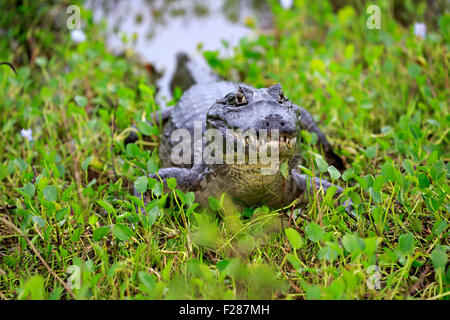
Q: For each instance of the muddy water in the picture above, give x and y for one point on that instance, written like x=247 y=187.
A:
x=158 y=30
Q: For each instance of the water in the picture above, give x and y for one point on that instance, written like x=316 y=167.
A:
x=161 y=29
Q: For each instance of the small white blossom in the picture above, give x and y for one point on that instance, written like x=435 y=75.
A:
x=286 y=4
x=27 y=134
x=77 y=36
x=420 y=30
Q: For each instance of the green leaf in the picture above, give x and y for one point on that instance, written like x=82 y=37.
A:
x=313 y=293
x=354 y=197
x=60 y=214
x=362 y=182
x=51 y=193
x=180 y=196
x=133 y=150
x=322 y=165
x=29 y=190
x=424 y=182
x=171 y=183
x=141 y=184
x=146 y=90
x=153 y=213
x=417 y=225
x=306 y=170
x=334 y=173
x=147 y=129
x=293 y=260
x=406 y=244
x=371 y=151
x=191 y=209
x=137 y=201
x=86 y=162
x=42 y=183
x=387 y=171
x=314 y=232
x=331 y=191
x=189 y=198
x=248 y=212
x=353 y=243
x=415 y=130
x=107 y=206
x=81 y=101
x=99 y=233
x=21 y=164
x=147 y=280
x=39 y=221
x=434 y=156
x=213 y=203
x=348 y=174
x=414 y=70
x=221 y=265
x=439 y=226
x=76 y=234
x=378 y=183
x=439 y=258
x=328 y=253
x=376 y=196
x=122 y=232
x=33 y=289
x=158 y=189
x=294 y=238
x=3 y=171
x=408 y=166
x=371 y=245
x=152 y=166
x=41 y=61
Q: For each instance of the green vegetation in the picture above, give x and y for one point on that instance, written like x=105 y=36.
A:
x=68 y=214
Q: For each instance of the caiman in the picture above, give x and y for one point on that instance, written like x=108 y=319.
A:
x=235 y=111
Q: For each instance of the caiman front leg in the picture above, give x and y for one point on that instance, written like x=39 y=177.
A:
x=187 y=179
x=305 y=187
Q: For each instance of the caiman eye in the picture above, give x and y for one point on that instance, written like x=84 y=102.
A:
x=240 y=98
x=281 y=97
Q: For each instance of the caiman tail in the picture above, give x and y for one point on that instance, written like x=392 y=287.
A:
x=189 y=72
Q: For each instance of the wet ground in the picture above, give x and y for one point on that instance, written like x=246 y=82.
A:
x=158 y=30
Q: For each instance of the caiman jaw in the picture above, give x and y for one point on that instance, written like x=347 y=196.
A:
x=285 y=141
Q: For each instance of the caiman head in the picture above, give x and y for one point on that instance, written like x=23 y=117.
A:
x=260 y=129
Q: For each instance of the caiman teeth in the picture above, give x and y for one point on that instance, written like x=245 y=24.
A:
x=288 y=142
x=254 y=141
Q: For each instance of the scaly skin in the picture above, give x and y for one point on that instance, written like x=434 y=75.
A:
x=225 y=105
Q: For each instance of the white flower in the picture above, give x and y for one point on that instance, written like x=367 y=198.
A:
x=286 y=4
x=27 y=134
x=77 y=36
x=420 y=29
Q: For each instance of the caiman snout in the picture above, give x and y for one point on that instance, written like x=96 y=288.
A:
x=277 y=122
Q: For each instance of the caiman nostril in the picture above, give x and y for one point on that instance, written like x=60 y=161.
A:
x=273 y=122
